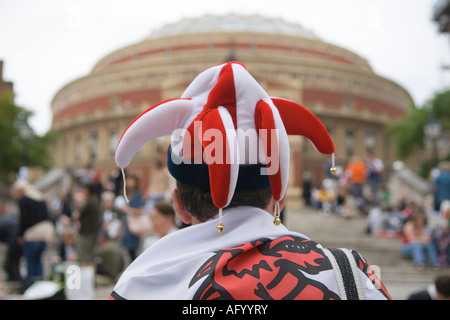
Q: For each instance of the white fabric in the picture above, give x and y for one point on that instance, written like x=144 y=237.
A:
x=165 y=270
x=284 y=148
x=337 y=274
x=355 y=271
x=233 y=149
x=157 y=122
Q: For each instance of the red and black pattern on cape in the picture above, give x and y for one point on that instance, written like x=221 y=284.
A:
x=364 y=266
x=265 y=269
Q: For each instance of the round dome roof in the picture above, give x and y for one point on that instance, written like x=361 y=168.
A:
x=231 y=23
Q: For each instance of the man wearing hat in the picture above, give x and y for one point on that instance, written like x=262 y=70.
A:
x=229 y=154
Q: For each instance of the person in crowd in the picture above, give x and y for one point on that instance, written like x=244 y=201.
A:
x=62 y=204
x=384 y=221
x=61 y=211
x=375 y=169
x=441 y=185
x=67 y=247
x=112 y=220
x=108 y=258
x=417 y=242
x=159 y=183
x=85 y=175
x=115 y=179
x=35 y=228
x=325 y=196
x=89 y=217
x=438 y=290
x=441 y=240
x=306 y=188
x=133 y=214
x=356 y=172
x=341 y=201
x=108 y=253
x=9 y=228
x=441 y=234
x=65 y=254
x=163 y=222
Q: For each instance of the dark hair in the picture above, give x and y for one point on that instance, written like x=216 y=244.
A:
x=198 y=202
x=443 y=285
x=92 y=188
x=165 y=208
x=418 y=212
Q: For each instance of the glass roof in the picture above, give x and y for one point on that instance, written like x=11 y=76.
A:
x=231 y=23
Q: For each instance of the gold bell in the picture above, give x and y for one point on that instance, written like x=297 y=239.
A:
x=333 y=170
x=220 y=227
x=277 y=221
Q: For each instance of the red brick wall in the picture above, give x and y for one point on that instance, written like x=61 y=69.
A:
x=337 y=99
x=104 y=103
x=240 y=45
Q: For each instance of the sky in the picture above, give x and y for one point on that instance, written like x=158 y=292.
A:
x=46 y=44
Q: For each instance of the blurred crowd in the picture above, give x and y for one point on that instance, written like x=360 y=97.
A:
x=92 y=225
x=424 y=231
x=99 y=226
x=359 y=189
x=352 y=190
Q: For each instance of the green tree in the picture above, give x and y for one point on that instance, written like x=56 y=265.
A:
x=440 y=106
x=408 y=132
x=11 y=146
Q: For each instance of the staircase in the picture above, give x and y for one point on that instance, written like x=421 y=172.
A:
x=399 y=275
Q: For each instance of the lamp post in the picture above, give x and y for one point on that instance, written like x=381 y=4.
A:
x=433 y=130
x=26 y=134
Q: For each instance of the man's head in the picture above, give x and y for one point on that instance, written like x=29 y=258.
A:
x=163 y=218
x=443 y=287
x=198 y=204
x=221 y=109
x=444 y=166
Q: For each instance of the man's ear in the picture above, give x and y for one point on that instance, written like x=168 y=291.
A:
x=184 y=215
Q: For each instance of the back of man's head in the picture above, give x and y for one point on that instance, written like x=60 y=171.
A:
x=198 y=202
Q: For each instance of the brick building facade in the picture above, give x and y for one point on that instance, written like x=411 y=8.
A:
x=340 y=87
x=5 y=86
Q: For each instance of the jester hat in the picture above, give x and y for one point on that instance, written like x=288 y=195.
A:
x=227 y=101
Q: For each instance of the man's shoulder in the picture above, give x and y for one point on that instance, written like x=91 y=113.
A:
x=283 y=268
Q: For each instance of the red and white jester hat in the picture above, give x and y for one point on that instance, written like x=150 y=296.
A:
x=212 y=119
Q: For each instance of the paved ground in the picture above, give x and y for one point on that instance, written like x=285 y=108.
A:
x=397 y=274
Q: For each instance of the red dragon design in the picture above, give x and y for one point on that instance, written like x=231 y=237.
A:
x=265 y=269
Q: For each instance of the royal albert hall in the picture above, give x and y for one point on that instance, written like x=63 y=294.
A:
x=289 y=61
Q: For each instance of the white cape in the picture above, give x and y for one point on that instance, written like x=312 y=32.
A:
x=165 y=270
